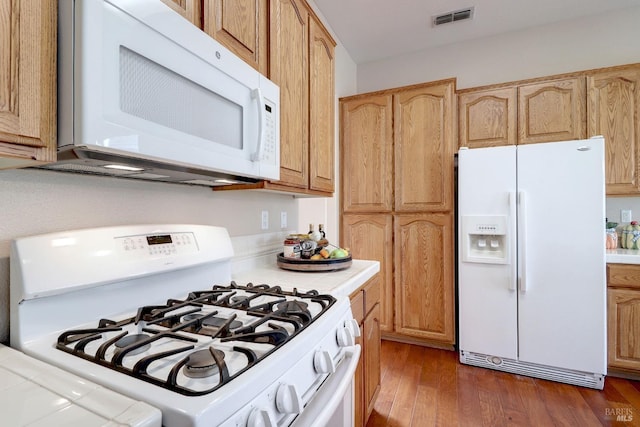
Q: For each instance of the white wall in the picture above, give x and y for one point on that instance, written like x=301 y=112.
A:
x=591 y=42
x=38 y=201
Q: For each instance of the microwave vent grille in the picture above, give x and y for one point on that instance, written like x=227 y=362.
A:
x=154 y=93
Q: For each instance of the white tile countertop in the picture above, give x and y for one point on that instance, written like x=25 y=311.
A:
x=623 y=256
x=337 y=283
x=36 y=394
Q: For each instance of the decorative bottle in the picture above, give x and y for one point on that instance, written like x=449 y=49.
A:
x=314 y=234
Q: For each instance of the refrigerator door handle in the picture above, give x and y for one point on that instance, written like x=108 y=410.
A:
x=511 y=238
x=522 y=242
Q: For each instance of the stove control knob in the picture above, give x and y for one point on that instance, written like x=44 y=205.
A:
x=352 y=324
x=288 y=400
x=345 y=337
x=323 y=362
x=260 y=418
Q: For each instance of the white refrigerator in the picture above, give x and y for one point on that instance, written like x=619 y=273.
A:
x=531 y=260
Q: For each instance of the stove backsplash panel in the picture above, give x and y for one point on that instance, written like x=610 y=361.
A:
x=37 y=201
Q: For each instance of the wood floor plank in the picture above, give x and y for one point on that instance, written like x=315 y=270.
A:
x=426 y=408
x=513 y=406
x=404 y=402
x=628 y=391
x=469 y=406
x=447 y=414
x=392 y=356
x=424 y=387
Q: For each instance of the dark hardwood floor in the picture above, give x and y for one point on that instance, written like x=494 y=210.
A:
x=428 y=387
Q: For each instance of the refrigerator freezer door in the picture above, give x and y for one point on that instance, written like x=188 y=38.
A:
x=562 y=295
x=488 y=320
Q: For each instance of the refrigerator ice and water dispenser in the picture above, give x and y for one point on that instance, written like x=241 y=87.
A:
x=485 y=239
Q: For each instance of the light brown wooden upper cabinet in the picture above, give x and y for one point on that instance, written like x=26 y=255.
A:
x=241 y=26
x=290 y=71
x=522 y=113
x=367 y=154
x=551 y=111
x=488 y=118
x=27 y=82
x=191 y=10
x=424 y=147
x=424 y=276
x=613 y=111
x=302 y=63
x=321 y=108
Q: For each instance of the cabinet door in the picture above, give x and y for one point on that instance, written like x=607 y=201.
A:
x=552 y=111
x=321 y=108
x=370 y=236
x=624 y=328
x=240 y=25
x=424 y=147
x=371 y=330
x=27 y=82
x=487 y=118
x=366 y=150
x=613 y=111
x=424 y=278
x=189 y=9
x=289 y=70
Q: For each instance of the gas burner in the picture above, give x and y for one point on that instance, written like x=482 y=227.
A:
x=203 y=363
x=214 y=322
x=295 y=308
x=128 y=340
x=240 y=300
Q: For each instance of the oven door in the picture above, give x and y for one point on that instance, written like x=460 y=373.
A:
x=333 y=404
x=149 y=84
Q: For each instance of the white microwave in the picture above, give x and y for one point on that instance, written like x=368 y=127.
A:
x=145 y=94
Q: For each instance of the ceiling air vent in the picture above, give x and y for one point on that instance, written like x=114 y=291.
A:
x=457 y=15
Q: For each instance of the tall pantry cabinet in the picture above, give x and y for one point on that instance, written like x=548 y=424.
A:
x=397 y=154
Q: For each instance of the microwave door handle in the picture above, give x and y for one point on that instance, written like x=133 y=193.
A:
x=257 y=94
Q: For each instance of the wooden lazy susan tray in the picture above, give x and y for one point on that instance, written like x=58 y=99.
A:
x=311 y=265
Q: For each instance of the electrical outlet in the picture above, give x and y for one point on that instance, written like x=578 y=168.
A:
x=265 y=220
x=283 y=219
x=625 y=215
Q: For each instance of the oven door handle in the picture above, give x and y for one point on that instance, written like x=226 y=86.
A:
x=332 y=393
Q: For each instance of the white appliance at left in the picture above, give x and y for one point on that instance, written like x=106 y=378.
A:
x=531 y=272
x=35 y=393
x=145 y=94
x=150 y=312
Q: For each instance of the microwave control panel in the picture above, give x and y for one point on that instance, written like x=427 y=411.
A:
x=269 y=151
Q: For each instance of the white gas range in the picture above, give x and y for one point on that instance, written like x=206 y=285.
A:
x=151 y=312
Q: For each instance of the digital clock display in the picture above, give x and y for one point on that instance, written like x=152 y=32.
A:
x=159 y=240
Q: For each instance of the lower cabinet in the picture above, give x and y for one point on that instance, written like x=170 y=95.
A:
x=424 y=277
x=623 y=311
x=365 y=304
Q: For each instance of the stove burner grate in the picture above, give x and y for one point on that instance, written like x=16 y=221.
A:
x=178 y=320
